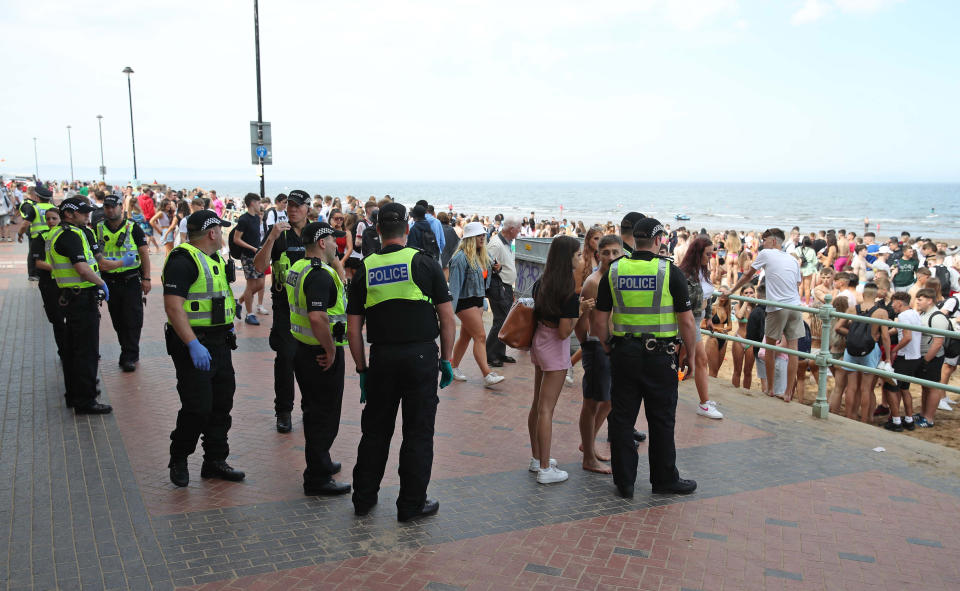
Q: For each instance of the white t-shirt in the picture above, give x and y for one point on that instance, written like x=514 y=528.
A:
x=939 y=321
x=912 y=350
x=708 y=289
x=276 y=216
x=182 y=228
x=782 y=276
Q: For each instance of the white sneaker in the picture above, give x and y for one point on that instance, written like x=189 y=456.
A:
x=944 y=405
x=492 y=379
x=535 y=464
x=709 y=410
x=551 y=475
x=568 y=380
x=262 y=310
x=950 y=401
x=459 y=375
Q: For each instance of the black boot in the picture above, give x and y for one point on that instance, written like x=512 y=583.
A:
x=222 y=470
x=284 y=423
x=179 y=474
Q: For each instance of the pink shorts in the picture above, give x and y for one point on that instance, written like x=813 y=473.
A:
x=548 y=351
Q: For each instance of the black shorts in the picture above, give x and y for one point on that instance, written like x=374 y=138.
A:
x=467 y=303
x=907 y=367
x=932 y=370
x=596 y=372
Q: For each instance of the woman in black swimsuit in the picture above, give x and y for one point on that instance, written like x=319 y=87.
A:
x=717 y=348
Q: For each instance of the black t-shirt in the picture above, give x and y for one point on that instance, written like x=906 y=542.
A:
x=571 y=307
x=677 y=287
x=38 y=253
x=320 y=290
x=756 y=323
x=402 y=321
x=248 y=230
x=69 y=245
x=819 y=244
x=179 y=272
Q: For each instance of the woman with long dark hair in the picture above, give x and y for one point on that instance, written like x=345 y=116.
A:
x=695 y=264
x=558 y=310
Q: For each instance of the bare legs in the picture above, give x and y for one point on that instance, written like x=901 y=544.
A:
x=471 y=329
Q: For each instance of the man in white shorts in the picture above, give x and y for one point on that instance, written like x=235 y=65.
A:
x=782 y=278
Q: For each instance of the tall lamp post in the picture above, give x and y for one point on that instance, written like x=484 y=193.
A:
x=36 y=162
x=133 y=141
x=103 y=169
x=70 y=146
x=256 y=37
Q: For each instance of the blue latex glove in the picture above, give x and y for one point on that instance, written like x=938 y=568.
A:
x=106 y=292
x=129 y=259
x=199 y=354
x=363 y=387
x=446 y=374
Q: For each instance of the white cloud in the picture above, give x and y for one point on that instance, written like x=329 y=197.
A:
x=811 y=11
x=864 y=6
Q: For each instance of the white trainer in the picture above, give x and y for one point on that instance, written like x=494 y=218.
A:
x=709 y=410
x=535 y=464
x=492 y=379
x=568 y=380
x=262 y=310
x=459 y=375
x=944 y=405
x=551 y=475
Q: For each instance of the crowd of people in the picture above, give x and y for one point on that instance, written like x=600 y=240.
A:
x=634 y=294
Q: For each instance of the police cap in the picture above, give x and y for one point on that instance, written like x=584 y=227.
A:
x=314 y=231
x=648 y=228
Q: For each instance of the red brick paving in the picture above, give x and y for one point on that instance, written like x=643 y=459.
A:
x=583 y=551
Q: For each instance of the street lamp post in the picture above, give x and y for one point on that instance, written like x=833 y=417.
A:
x=36 y=162
x=70 y=146
x=133 y=141
x=256 y=37
x=103 y=169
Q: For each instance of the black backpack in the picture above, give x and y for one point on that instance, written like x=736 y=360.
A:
x=425 y=239
x=695 y=289
x=943 y=275
x=860 y=338
x=951 y=347
x=236 y=251
x=369 y=241
x=265 y=217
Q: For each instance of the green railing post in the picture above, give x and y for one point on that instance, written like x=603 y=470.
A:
x=821 y=408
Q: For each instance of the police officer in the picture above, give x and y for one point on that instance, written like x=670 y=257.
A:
x=647 y=297
x=119 y=237
x=401 y=294
x=76 y=262
x=199 y=335
x=281 y=249
x=32 y=211
x=318 y=324
x=49 y=291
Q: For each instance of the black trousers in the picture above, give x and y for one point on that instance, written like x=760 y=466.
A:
x=500 y=306
x=321 y=397
x=81 y=344
x=402 y=376
x=32 y=262
x=50 y=294
x=638 y=377
x=126 y=314
x=285 y=345
x=206 y=398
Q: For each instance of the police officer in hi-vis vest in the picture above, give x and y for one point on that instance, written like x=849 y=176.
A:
x=49 y=291
x=318 y=325
x=401 y=294
x=280 y=250
x=199 y=334
x=645 y=296
x=32 y=210
x=119 y=237
x=76 y=263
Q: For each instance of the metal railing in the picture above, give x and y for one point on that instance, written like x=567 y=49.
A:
x=827 y=314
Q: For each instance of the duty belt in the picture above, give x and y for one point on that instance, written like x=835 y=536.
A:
x=652 y=344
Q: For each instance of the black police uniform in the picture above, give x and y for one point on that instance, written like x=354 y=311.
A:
x=27 y=212
x=126 y=301
x=281 y=340
x=81 y=317
x=640 y=376
x=206 y=397
x=50 y=294
x=402 y=371
x=321 y=392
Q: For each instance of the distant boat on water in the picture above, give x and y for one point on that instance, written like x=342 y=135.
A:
x=681 y=217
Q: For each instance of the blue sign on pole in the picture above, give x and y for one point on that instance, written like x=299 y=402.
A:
x=261 y=151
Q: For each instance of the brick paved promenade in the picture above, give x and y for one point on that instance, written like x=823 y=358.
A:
x=785 y=501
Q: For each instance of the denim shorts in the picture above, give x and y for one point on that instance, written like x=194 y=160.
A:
x=870 y=360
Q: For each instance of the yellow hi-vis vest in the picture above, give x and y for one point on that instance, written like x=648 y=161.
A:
x=390 y=277
x=299 y=316
x=286 y=260
x=38 y=223
x=642 y=304
x=116 y=244
x=63 y=272
x=211 y=283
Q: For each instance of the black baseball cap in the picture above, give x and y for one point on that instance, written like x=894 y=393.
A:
x=314 y=231
x=112 y=200
x=298 y=196
x=202 y=220
x=391 y=213
x=648 y=228
x=630 y=220
x=76 y=205
x=43 y=192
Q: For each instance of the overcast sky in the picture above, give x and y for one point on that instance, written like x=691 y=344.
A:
x=547 y=90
